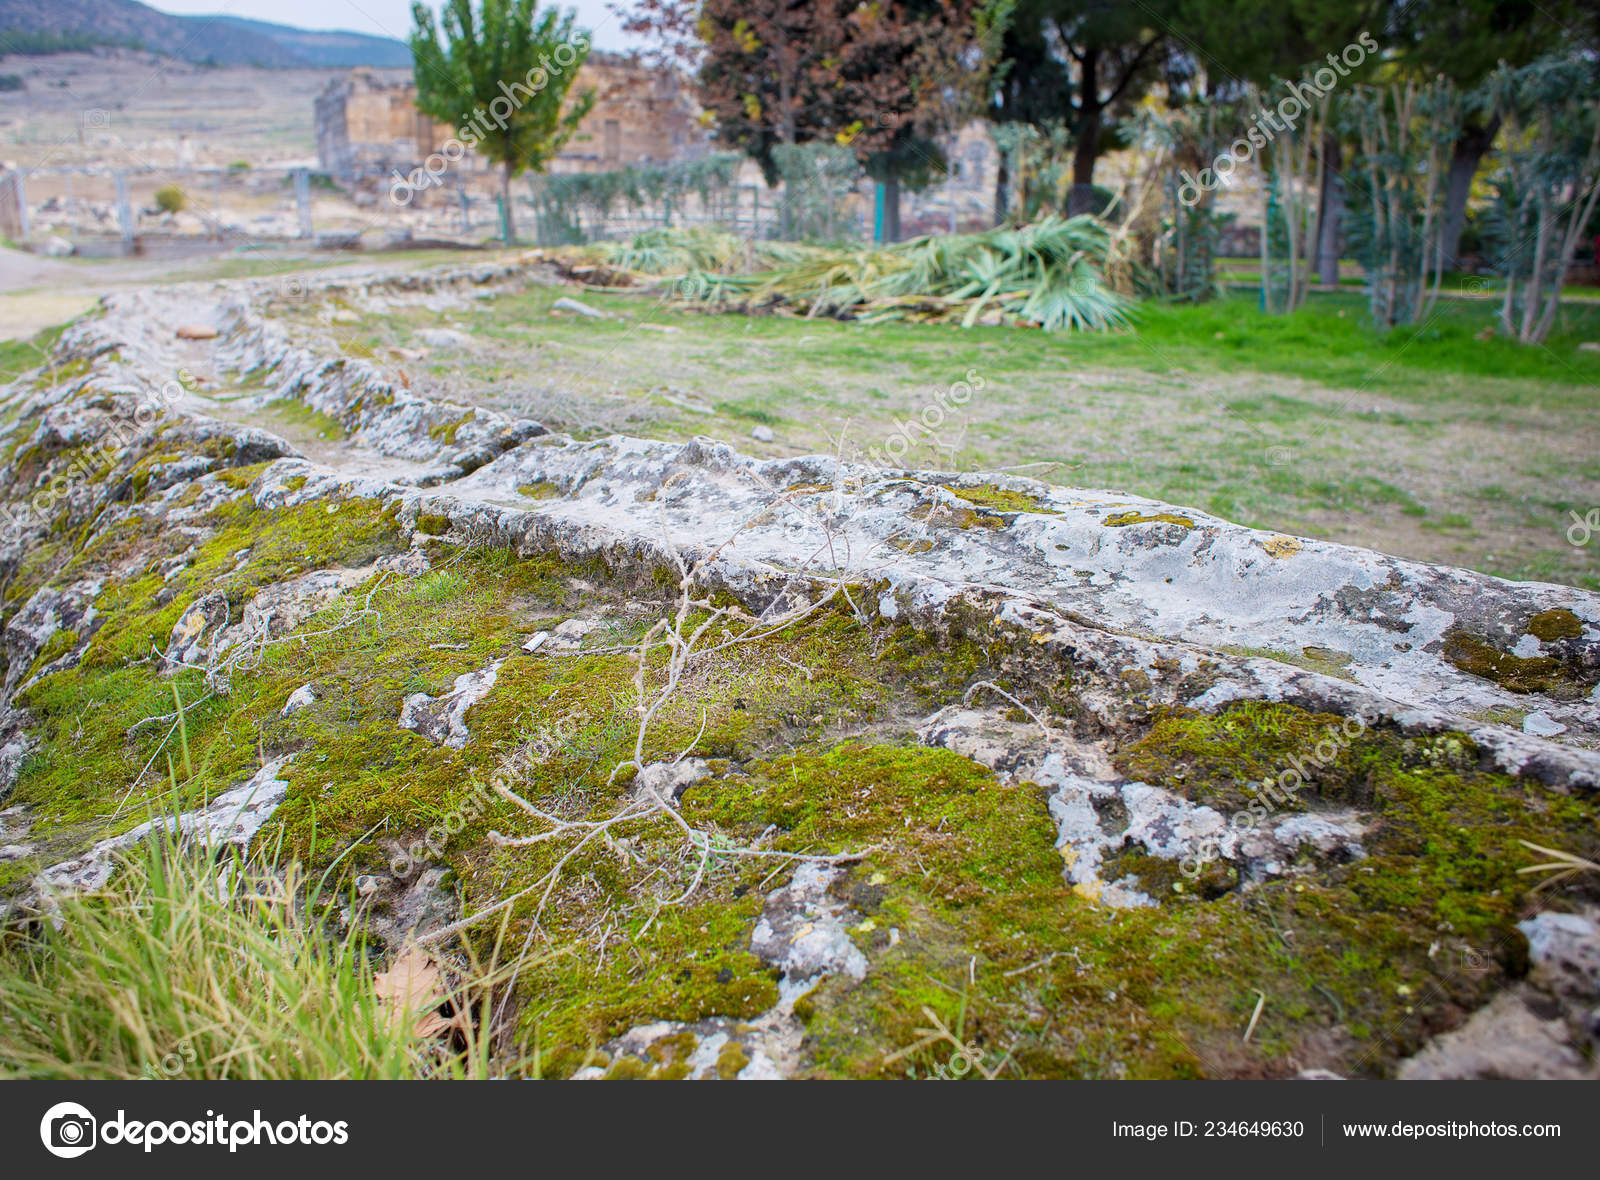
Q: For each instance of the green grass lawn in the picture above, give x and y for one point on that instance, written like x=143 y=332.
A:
x=1332 y=341
x=21 y=356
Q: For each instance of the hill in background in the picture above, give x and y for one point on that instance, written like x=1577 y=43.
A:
x=46 y=26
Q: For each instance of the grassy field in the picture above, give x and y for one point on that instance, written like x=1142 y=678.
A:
x=1433 y=442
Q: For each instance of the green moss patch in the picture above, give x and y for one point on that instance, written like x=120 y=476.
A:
x=445 y=432
x=1359 y=962
x=1550 y=675
x=297 y=413
x=1123 y=519
x=1000 y=499
x=1550 y=625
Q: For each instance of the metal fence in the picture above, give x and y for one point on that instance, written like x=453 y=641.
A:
x=174 y=211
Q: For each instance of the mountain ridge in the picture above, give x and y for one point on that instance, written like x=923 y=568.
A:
x=31 y=26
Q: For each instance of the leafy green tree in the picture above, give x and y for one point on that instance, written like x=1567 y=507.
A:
x=896 y=68
x=1404 y=132
x=501 y=76
x=1032 y=91
x=764 y=66
x=1231 y=45
x=1466 y=41
x=1548 y=184
x=1109 y=53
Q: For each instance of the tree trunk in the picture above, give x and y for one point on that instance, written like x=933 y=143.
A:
x=891 y=208
x=1087 y=146
x=1533 y=290
x=786 y=129
x=1002 y=182
x=1470 y=148
x=1082 y=198
x=950 y=187
x=505 y=203
x=1330 y=211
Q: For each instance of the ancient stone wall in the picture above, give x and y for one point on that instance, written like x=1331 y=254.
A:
x=368 y=119
x=640 y=116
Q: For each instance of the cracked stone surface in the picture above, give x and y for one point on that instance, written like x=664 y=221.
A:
x=45 y=615
x=233 y=817
x=443 y=719
x=204 y=634
x=1099 y=815
x=803 y=933
x=1147 y=604
x=1517 y=1037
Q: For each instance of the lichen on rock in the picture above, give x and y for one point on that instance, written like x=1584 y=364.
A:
x=770 y=757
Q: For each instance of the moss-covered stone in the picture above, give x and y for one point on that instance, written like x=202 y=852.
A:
x=730 y=1060
x=807 y=730
x=1550 y=625
x=1000 y=499
x=1123 y=519
x=1547 y=674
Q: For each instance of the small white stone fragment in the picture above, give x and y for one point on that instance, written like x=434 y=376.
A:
x=667 y=781
x=802 y=931
x=444 y=338
x=442 y=720
x=299 y=699
x=568 y=304
x=1541 y=725
x=1527 y=647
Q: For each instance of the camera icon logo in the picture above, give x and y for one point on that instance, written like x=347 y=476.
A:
x=68 y=1130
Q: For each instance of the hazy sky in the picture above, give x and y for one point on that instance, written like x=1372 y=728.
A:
x=383 y=18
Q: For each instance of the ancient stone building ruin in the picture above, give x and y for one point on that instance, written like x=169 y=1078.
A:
x=367 y=121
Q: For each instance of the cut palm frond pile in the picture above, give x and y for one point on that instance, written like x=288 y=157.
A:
x=1057 y=273
x=676 y=251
